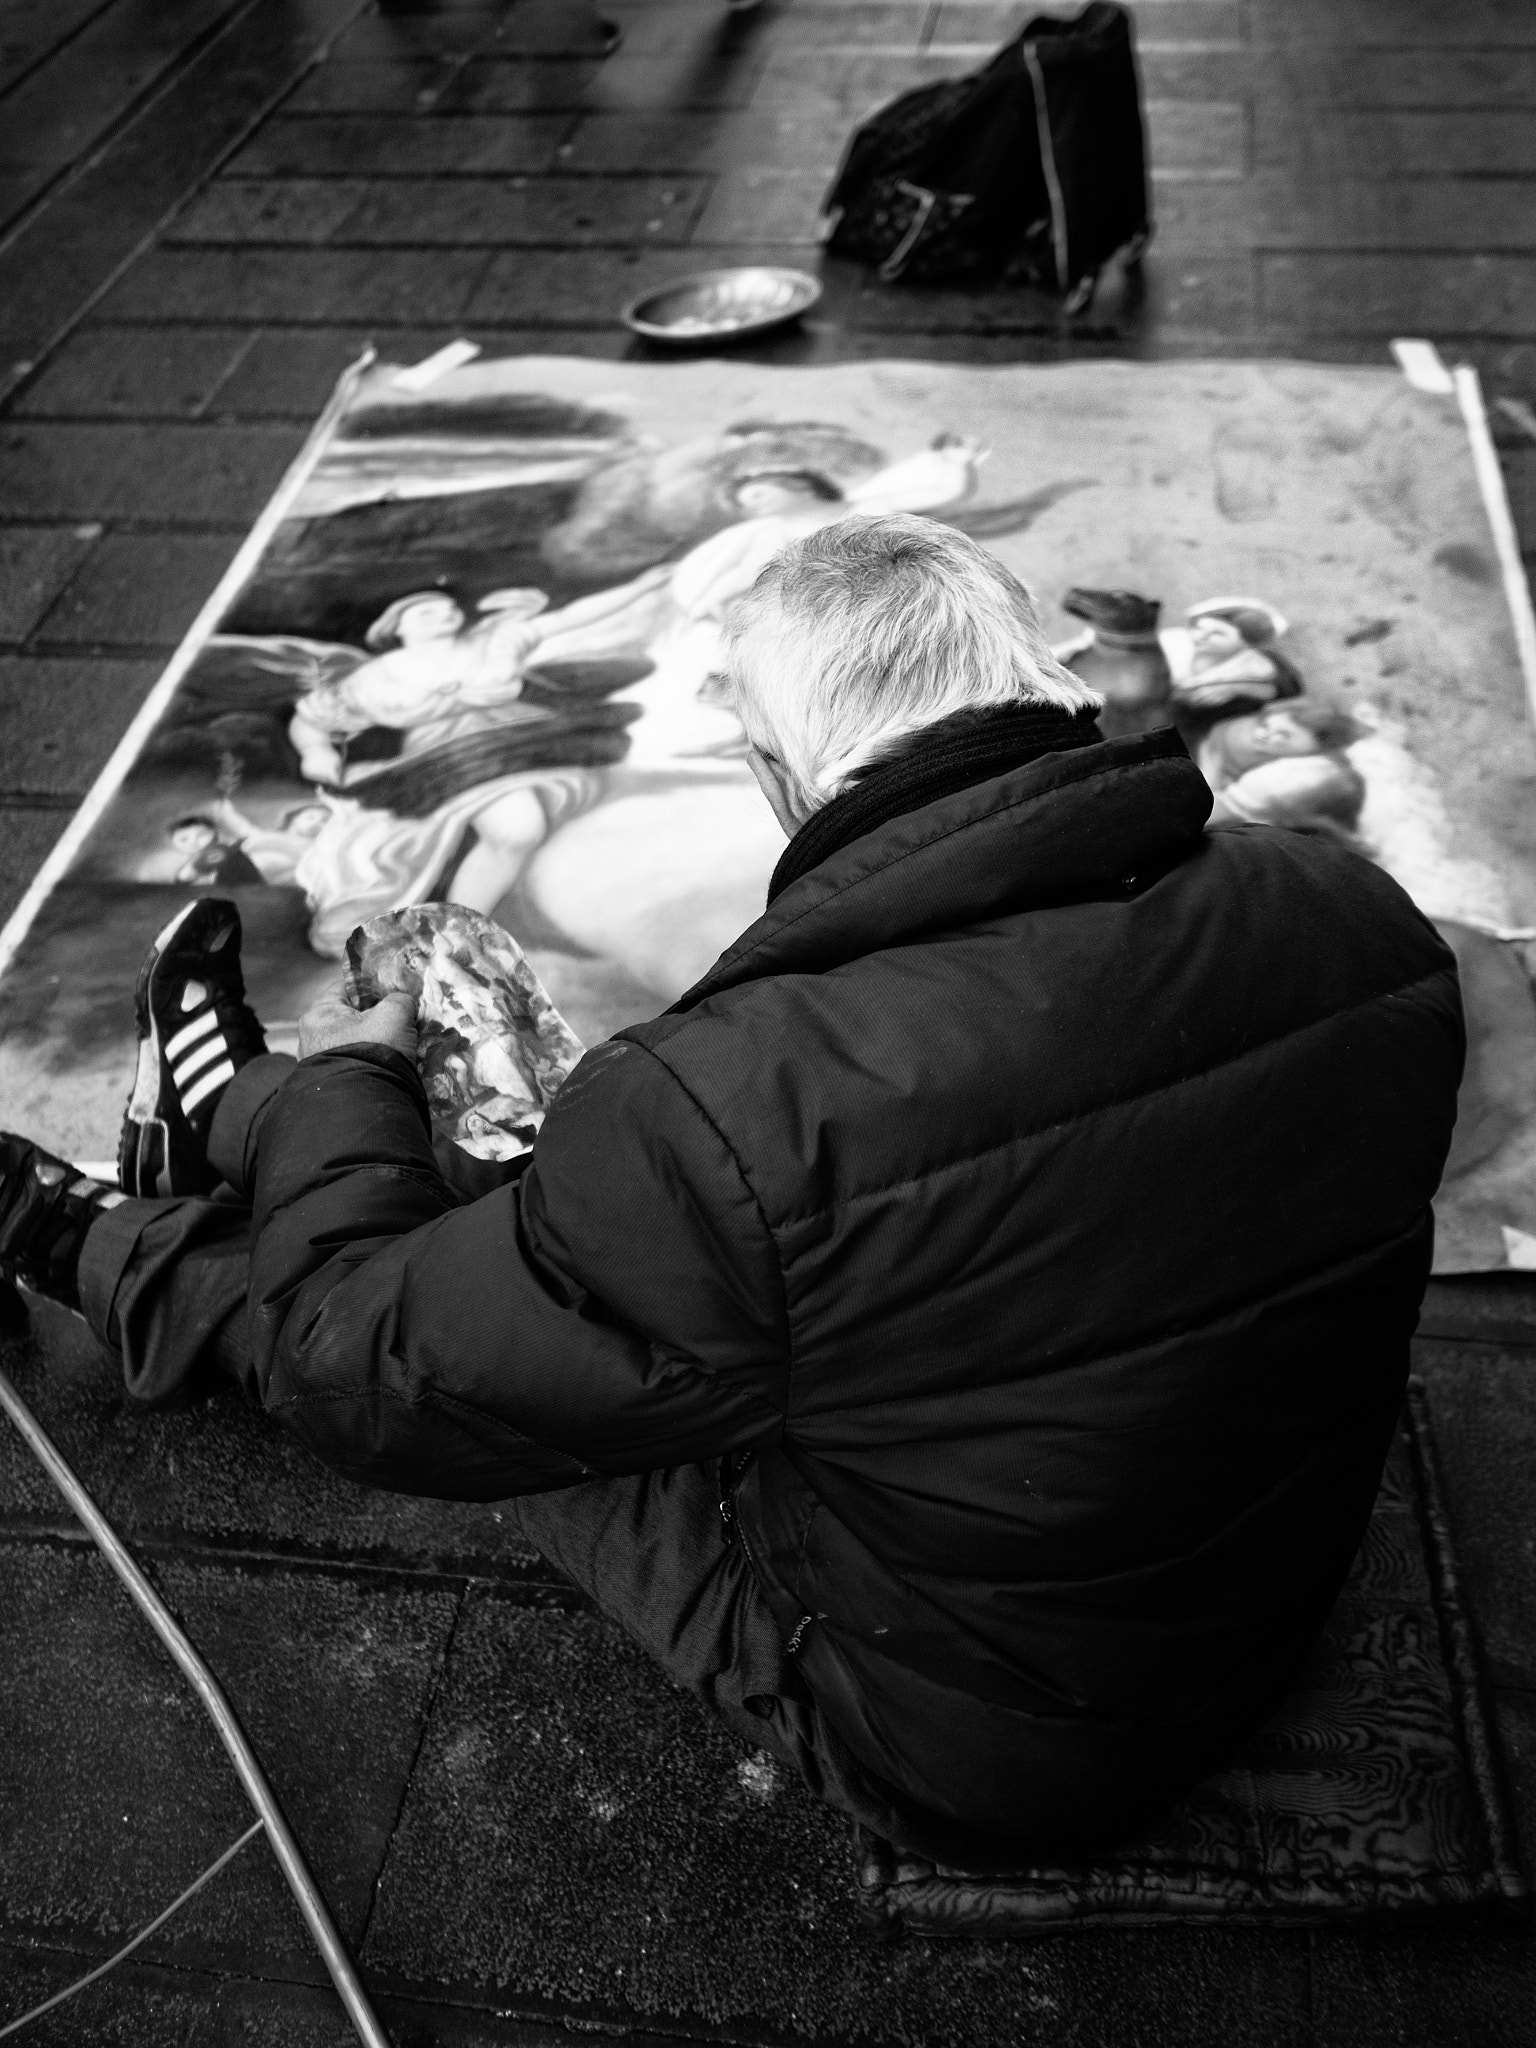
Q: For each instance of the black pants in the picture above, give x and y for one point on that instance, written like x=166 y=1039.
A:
x=163 y=1285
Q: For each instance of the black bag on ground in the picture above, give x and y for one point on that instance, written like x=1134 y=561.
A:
x=1034 y=167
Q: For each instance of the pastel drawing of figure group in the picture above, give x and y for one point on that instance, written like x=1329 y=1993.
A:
x=445 y=754
x=472 y=757
x=1271 y=754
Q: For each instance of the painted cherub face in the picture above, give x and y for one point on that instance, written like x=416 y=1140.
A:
x=1278 y=732
x=432 y=618
x=192 y=838
x=1215 y=638
x=1267 y=736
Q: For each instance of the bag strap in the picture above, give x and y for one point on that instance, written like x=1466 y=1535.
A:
x=1053 y=189
x=901 y=255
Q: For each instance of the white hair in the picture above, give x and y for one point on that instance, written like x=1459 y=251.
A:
x=870 y=629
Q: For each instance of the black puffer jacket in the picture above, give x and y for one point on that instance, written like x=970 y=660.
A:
x=1035 y=1206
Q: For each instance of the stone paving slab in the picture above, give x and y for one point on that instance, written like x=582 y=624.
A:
x=270 y=211
x=407 y=85
x=450 y=32
x=1157 y=21
x=18 y=190
x=854 y=82
x=291 y=371
x=1372 y=24
x=549 y=28
x=137 y=590
x=750 y=205
x=1401 y=144
x=1205 y=139
x=33 y=29
x=589 y=286
x=129 y=472
x=35 y=564
x=693 y=1887
x=1426 y=76
x=116 y=1792
x=396 y=286
x=1443 y=294
x=463 y=212
x=321 y=145
x=893 y=25
x=770 y=138
x=60 y=716
x=26 y=837
x=696 y=78
x=1281 y=210
x=168 y=372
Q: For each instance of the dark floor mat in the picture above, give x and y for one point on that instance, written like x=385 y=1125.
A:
x=1373 y=1790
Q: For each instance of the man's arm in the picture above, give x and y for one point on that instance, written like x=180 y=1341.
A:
x=618 y=1309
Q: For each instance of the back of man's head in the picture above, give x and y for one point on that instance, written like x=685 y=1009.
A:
x=867 y=630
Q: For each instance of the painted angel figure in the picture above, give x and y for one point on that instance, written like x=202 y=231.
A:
x=485 y=771
x=684 y=724
x=1226 y=659
x=435 y=678
x=781 y=505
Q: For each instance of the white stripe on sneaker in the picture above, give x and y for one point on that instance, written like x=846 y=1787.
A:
x=189 y=1034
x=211 y=1049
x=214 y=1079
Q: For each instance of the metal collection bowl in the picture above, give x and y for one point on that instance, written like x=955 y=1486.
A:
x=722 y=305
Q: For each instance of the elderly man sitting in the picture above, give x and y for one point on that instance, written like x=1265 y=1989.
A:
x=961 y=1337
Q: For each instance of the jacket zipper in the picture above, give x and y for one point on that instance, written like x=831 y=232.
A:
x=731 y=1476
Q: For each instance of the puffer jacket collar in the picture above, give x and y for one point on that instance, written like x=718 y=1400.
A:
x=1063 y=826
x=969 y=746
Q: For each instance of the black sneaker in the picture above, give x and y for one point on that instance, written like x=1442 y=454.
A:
x=46 y=1207
x=196 y=1031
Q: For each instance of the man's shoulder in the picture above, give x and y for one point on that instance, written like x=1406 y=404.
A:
x=1316 y=872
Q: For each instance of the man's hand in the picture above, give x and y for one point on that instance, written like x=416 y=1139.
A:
x=332 y=1021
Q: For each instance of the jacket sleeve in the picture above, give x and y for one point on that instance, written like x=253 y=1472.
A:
x=617 y=1309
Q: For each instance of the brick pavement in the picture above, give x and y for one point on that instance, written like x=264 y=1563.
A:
x=206 y=208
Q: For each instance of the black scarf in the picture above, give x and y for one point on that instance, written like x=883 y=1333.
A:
x=967 y=747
